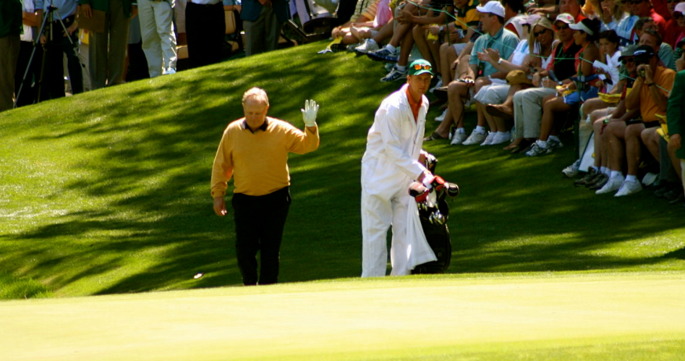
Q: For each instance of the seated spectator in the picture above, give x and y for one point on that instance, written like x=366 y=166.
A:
x=378 y=13
x=407 y=18
x=459 y=34
x=528 y=102
x=582 y=87
x=514 y=14
x=679 y=20
x=649 y=96
x=664 y=51
x=610 y=13
x=598 y=173
x=625 y=26
x=494 y=37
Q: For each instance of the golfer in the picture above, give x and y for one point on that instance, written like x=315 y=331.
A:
x=389 y=165
x=254 y=152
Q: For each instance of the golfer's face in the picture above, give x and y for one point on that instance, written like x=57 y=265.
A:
x=255 y=112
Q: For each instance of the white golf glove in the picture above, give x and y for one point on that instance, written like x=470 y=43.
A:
x=309 y=113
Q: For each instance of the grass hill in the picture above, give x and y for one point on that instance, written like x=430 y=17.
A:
x=108 y=191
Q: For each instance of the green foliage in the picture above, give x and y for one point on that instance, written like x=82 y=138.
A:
x=108 y=191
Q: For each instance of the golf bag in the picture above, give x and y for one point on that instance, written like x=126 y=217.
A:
x=433 y=213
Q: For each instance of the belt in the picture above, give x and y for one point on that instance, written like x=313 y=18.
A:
x=196 y=3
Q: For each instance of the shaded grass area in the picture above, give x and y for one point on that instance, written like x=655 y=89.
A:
x=108 y=191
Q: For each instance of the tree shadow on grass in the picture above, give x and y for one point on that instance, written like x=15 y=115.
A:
x=147 y=153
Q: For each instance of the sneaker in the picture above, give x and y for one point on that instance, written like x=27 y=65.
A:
x=488 y=140
x=628 y=188
x=612 y=185
x=536 y=150
x=384 y=55
x=475 y=138
x=553 y=144
x=458 y=138
x=585 y=180
x=572 y=170
x=441 y=117
x=394 y=75
x=169 y=71
x=501 y=138
x=649 y=179
x=367 y=46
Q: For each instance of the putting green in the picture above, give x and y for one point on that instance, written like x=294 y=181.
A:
x=550 y=316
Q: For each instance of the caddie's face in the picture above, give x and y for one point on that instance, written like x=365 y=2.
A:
x=255 y=112
x=419 y=84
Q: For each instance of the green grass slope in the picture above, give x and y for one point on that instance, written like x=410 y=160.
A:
x=108 y=191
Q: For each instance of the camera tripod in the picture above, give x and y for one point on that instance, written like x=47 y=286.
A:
x=46 y=29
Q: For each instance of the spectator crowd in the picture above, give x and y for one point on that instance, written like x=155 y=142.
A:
x=606 y=71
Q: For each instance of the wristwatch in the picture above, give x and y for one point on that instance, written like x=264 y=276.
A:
x=499 y=61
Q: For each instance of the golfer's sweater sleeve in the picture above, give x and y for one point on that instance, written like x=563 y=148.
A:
x=222 y=169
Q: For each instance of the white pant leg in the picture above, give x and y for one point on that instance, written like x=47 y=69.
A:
x=165 y=32
x=399 y=250
x=376 y=220
x=518 y=114
x=148 y=32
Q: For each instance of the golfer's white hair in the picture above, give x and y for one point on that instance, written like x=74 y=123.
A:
x=256 y=93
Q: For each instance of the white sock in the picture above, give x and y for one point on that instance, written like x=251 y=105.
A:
x=553 y=137
x=605 y=170
x=400 y=67
x=371 y=41
x=541 y=143
x=615 y=174
x=461 y=130
x=390 y=47
x=631 y=178
x=480 y=129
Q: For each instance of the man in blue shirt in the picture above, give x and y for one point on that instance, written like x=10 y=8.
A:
x=57 y=44
x=495 y=37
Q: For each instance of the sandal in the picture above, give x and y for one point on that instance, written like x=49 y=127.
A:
x=433 y=136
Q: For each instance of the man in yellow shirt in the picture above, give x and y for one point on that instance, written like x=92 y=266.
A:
x=254 y=152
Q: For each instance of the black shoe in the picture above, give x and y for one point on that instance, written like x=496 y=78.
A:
x=674 y=196
x=599 y=182
x=663 y=188
x=587 y=179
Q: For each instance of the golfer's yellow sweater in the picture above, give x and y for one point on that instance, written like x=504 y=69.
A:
x=258 y=161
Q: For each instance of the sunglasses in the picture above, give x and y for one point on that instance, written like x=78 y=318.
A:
x=538 y=33
x=422 y=66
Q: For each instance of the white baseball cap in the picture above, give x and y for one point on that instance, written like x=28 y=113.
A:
x=492 y=7
x=680 y=8
x=565 y=18
x=582 y=27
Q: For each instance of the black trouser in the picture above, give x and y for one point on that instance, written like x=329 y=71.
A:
x=32 y=72
x=205 y=32
x=259 y=223
x=57 y=46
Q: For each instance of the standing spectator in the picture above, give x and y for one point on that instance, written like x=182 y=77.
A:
x=10 y=28
x=57 y=46
x=205 y=31
x=28 y=69
x=389 y=165
x=262 y=21
x=107 y=50
x=157 y=32
x=254 y=151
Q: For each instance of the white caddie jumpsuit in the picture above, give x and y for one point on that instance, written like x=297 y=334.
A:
x=389 y=165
